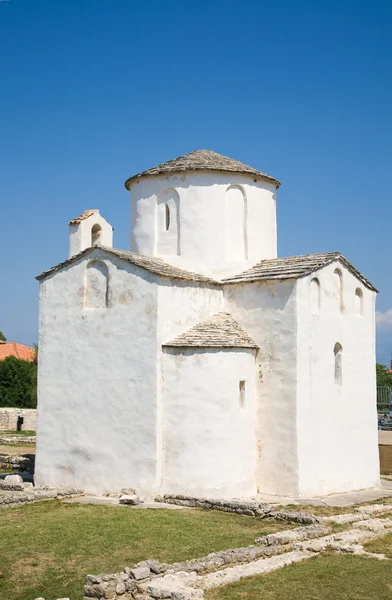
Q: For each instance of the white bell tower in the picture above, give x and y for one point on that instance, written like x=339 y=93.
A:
x=90 y=229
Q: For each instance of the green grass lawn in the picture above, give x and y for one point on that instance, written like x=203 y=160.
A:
x=47 y=548
x=328 y=577
x=19 y=433
x=381 y=546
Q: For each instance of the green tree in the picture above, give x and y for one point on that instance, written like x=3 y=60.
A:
x=2 y=337
x=18 y=383
x=383 y=378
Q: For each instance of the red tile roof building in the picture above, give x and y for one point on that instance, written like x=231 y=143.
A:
x=17 y=350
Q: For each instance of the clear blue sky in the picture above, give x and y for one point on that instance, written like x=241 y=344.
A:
x=93 y=91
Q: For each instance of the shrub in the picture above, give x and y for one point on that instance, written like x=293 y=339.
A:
x=18 y=383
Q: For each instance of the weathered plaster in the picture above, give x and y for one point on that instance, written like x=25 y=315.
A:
x=209 y=216
x=80 y=234
x=97 y=380
x=337 y=425
x=267 y=311
x=209 y=442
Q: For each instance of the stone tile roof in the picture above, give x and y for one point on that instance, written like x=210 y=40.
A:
x=293 y=267
x=219 y=331
x=82 y=217
x=202 y=160
x=153 y=265
x=17 y=350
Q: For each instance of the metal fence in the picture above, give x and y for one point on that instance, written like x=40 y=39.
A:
x=384 y=407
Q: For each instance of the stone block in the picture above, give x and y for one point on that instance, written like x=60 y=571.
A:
x=13 y=479
x=140 y=573
x=130 y=499
x=120 y=588
x=157 y=567
x=93 y=579
x=90 y=592
x=130 y=585
x=159 y=591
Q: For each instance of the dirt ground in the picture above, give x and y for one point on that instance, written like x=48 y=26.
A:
x=29 y=449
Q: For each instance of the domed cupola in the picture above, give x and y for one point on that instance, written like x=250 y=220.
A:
x=204 y=212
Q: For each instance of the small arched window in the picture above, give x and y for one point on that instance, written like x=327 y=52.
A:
x=96 y=232
x=236 y=223
x=338 y=364
x=338 y=277
x=97 y=285
x=358 y=302
x=314 y=293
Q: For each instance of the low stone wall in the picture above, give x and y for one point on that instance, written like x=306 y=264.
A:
x=17 y=440
x=24 y=463
x=252 y=509
x=249 y=508
x=17 y=494
x=135 y=580
x=9 y=419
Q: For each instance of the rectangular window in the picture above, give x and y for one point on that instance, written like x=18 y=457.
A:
x=242 y=394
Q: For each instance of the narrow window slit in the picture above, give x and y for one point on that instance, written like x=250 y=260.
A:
x=242 y=393
x=338 y=364
x=167 y=217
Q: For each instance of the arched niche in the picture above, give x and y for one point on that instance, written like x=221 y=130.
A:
x=96 y=234
x=314 y=296
x=338 y=367
x=338 y=278
x=168 y=223
x=97 y=285
x=358 y=299
x=236 y=223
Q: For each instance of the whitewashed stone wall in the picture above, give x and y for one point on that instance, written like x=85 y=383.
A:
x=80 y=234
x=225 y=222
x=314 y=437
x=268 y=313
x=209 y=438
x=336 y=420
x=9 y=419
x=100 y=374
x=97 y=381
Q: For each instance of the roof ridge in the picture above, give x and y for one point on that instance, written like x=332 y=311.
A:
x=85 y=215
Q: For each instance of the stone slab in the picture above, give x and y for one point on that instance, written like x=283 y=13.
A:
x=114 y=502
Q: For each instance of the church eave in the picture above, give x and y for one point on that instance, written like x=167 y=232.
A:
x=203 y=160
x=294 y=267
x=152 y=265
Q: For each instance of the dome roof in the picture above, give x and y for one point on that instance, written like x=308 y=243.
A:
x=202 y=160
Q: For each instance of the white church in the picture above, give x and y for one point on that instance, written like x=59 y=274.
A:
x=198 y=362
